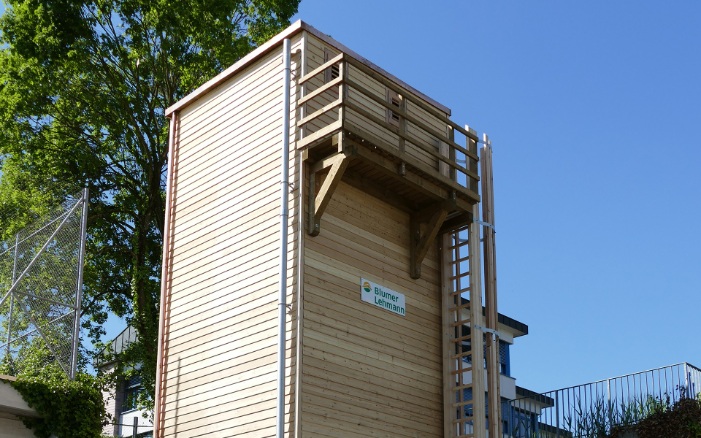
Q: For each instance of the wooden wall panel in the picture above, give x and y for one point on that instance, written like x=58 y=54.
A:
x=221 y=350
x=367 y=371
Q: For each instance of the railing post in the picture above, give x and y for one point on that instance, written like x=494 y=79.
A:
x=343 y=91
x=557 y=414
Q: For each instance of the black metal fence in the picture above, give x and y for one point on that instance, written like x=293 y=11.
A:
x=593 y=409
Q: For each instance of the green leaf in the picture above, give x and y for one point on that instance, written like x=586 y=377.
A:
x=83 y=90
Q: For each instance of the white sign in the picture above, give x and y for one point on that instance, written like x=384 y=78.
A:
x=381 y=296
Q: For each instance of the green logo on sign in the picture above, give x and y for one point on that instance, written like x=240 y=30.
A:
x=366 y=286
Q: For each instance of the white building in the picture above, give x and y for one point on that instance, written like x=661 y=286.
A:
x=120 y=402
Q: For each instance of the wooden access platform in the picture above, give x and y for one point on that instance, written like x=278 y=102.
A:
x=359 y=125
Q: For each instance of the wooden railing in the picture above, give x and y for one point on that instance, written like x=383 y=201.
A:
x=421 y=136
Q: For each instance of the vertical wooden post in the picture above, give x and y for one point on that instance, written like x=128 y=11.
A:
x=402 y=123
x=490 y=291
x=448 y=331
x=478 y=389
x=343 y=94
x=471 y=163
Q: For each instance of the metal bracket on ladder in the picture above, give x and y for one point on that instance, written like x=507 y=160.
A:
x=495 y=333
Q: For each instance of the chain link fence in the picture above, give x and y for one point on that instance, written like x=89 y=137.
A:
x=40 y=284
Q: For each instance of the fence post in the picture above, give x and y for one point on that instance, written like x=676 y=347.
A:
x=135 y=427
x=79 y=285
x=557 y=414
x=12 y=296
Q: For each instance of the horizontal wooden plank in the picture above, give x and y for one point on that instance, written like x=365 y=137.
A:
x=185 y=327
x=335 y=60
x=383 y=348
x=422 y=378
x=357 y=391
x=426 y=422
x=360 y=314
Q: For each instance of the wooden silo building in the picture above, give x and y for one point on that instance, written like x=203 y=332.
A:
x=365 y=228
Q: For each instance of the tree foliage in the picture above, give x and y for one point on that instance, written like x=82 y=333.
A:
x=681 y=419
x=66 y=408
x=83 y=90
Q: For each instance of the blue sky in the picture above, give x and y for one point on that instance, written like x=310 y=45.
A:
x=594 y=111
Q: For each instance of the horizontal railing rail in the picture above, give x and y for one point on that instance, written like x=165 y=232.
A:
x=337 y=97
x=595 y=408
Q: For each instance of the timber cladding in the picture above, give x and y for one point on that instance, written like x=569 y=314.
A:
x=367 y=371
x=361 y=369
x=220 y=354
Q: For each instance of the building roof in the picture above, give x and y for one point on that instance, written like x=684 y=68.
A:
x=276 y=41
x=11 y=401
x=510 y=322
x=520 y=328
x=118 y=345
x=540 y=398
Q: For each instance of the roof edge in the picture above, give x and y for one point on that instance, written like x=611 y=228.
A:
x=290 y=31
x=522 y=393
x=228 y=72
x=329 y=40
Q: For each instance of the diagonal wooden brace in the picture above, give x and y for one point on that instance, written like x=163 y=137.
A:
x=433 y=216
x=319 y=201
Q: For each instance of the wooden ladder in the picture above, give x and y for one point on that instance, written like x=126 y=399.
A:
x=463 y=343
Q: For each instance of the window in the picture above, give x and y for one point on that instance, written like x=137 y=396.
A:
x=504 y=359
x=331 y=73
x=395 y=100
x=132 y=388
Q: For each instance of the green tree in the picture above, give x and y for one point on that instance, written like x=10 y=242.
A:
x=83 y=90
x=66 y=408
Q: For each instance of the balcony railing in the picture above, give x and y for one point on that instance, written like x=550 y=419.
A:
x=593 y=409
x=345 y=95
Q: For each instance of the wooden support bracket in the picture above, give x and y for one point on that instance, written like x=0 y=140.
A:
x=422 y=238
x=318 y=201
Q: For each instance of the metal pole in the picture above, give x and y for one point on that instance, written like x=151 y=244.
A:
x=301 y=193
x=135 y=427
x=12 y=296
x=284 y=213
x=79 y=292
